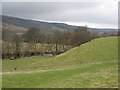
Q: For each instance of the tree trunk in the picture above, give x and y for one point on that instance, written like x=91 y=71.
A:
x=56 y=48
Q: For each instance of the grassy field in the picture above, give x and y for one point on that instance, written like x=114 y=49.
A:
x=91 y=65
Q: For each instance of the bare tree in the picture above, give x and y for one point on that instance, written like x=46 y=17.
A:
x=57 y=39
x=17 y=41
x=33 y=37
x=81 y=35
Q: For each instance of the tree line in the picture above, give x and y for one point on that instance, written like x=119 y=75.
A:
x=37 y=42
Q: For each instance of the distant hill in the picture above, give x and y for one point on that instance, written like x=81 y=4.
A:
x=44 y=26
x=104 y=30
x=20 y=25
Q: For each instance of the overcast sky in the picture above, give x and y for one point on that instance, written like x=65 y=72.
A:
x=92 y=14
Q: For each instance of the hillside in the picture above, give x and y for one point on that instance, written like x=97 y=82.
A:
x=13 y=28
x=44 y=26
x=21 y=25
x=93 y=64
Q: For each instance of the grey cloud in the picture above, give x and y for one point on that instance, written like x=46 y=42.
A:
x=63 y=12
x=30 y=7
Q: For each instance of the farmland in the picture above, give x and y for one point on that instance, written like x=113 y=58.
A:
x=93 y=64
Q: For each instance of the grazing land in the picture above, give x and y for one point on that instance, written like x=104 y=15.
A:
x=91 y=65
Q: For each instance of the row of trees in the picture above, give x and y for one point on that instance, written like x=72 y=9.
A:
x=56 y=41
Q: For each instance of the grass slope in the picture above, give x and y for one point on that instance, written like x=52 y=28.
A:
x=93 y=64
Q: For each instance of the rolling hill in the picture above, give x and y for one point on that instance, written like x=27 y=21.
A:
x=93 y=64
x=21 y=25
x=44 y=26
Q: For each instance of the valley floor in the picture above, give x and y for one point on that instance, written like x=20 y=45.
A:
x=92 y=65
